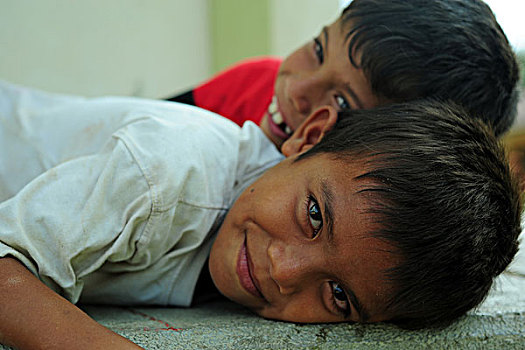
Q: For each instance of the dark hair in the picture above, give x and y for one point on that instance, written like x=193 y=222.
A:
x=442 y=196
x=445 y=49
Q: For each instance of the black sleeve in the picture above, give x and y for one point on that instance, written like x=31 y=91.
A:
x=185 y=97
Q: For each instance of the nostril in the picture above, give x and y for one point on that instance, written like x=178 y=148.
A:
x=281 y=282
x=286 y=290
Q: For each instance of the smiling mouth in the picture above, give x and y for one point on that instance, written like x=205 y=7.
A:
x=244 y=272
x=276 y=121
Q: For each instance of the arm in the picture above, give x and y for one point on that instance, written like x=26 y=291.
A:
x=72 y=208
x=35 y=317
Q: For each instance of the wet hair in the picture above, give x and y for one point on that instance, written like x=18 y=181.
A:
x=445 y=49
x=442 y=195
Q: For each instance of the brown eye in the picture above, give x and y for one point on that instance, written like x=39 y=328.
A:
x=340 y=300
x=342 y=103
x=318 y=48
x=314 y=216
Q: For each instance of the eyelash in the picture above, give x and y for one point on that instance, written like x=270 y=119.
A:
x=312 y=208
x=319 y=53
x=345 y=311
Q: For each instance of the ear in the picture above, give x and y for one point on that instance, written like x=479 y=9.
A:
x=311 y=131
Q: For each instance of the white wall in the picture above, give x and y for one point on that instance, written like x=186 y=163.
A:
x=149 y=48
x=294 y=22
x=509 y=14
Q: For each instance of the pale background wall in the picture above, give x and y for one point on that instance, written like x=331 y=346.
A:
x=155 y=48
x=92 y=47
x=149 y=48
x=246 y=28
x=293 y=22
x=238 y=29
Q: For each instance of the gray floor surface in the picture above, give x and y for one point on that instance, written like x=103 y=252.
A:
x=498 y=324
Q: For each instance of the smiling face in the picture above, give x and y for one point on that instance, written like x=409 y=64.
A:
x=296 y=246
x=317 y=74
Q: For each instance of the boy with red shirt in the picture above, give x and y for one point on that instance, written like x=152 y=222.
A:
x=377 y=52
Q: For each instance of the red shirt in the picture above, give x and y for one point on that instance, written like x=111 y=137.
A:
x=242 y=92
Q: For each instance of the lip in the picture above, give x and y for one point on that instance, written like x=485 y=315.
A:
x=244 y=272
x=274 y=128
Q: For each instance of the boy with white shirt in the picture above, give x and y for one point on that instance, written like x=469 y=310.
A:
x=368 y=219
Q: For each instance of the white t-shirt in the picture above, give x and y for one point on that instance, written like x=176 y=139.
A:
x=116 y=200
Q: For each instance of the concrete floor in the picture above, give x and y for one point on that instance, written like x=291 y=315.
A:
x=498 y=324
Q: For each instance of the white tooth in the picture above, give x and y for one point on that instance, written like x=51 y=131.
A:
x=273 y=107
x=287 y=130
x=277 y=118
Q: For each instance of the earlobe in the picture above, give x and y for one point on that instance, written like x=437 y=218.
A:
x=311 y=131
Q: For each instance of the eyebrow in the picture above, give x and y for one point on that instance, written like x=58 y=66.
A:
x=348 y=88
x=328 y=215
x=328 y=211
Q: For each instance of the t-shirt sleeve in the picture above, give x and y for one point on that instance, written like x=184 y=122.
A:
x=241 y=92
x=73 y=218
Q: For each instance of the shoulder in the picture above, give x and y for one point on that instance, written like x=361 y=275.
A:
x=186 y=154
x=247 y=69
x=257 y=63
x=173 y=126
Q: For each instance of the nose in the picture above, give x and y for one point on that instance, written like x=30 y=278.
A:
x=291 y=266
x=307 y=91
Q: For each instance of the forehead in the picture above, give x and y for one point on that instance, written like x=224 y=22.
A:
x=338 y=32
x=362 y=266
x=364 y=258
x=346 y=66
x=354 y=256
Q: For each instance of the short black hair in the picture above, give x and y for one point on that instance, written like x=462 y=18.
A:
x=444 y=49
x=442 y=195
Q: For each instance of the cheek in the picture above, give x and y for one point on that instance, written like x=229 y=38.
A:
x=270 y=200
x=231 y=233
x=296 y=120
x=303 y=308
x=297 y=61
x=222 y=247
